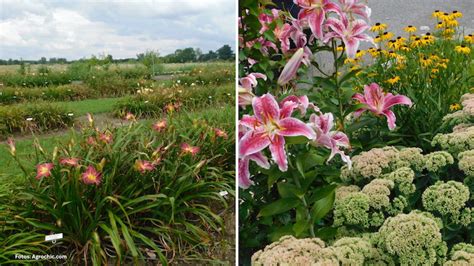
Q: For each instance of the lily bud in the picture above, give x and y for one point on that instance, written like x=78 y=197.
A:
x=289 y=71
x=11 y=145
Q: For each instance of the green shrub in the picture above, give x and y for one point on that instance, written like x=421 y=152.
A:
x=156 y=102
x=33 y=117
x=69 y=92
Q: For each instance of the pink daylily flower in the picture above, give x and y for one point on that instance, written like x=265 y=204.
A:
x=220 y=133
x=379 y=103
x=69 y=161
x=314 y=12
x=159 y=125
x=130 y=117
x=44 y=170
x=355 y=7
x=350 y=32
x=267 y=128
x=91 y=176
x=186 y=148
x=144 y=166
x=106 y=137
x=325 y=136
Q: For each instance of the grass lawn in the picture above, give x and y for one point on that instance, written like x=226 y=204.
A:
x=93 y=106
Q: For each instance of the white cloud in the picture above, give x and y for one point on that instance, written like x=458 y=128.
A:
x=32 y=29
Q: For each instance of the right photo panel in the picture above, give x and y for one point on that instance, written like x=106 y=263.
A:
x=356 y=132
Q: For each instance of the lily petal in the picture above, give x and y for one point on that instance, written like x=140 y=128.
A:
x=294 y=127
x=277 y=149
x=253 y=142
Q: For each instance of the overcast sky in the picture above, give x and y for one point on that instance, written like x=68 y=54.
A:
x=30 y=29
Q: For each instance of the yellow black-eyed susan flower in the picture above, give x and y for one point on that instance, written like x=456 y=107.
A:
x=469 y=38
x=340 y=48
x=434 y=70
x=350 y=61
x=410 y=29
x=456 y=14
x=454 y=107
x=392 y=44
x=387 y=35
x=417 y=42
x=378 y=27
x=452 y=23
x=360 y=53
x=437 y=14
x=404 y=48
x=425 y=61
x=445 y=17
x=391 y=54
x=393 y=80
x=462 y=49
x=440 y=25
x=374 y=52
x=377 y=38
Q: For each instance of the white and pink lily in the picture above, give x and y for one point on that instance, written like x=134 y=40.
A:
x=355 y=7
x=289 y=71
x=350 y=32
x=331 y=139
x=245 y=88
x=379 y=103
x=268 y=127
x=314 y=12
x=266 y=20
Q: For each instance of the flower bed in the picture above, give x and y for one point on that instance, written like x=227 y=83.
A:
x=134 y=193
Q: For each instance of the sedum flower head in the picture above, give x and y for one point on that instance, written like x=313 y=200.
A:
x=413 y=239
x=378 y=191
x=352 y=210
x=289 y=251
x=462 y=254
x=403 y=178
x=370 y=164
x=447 y=198
x=466 y=162
x=352 y=250
x=344 y=191
x=437 y=160
x=411 y=157
x=456 y=142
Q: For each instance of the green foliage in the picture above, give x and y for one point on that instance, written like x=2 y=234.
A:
x=70 y=92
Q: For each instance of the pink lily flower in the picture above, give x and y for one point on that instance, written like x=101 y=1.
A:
x=258 y=157
x=91 y=176
x=186 y=148
x=355 y=7
x=43 y=170
x=350 y=32
x=302 y=103
x=267 y=128
x=314 y=12
x=130 y=117
x=244 y=173
x=293 y=32
x=330 y=139
x=144 y=166
x=69 y=161
x=266 y=20
x=379 y=103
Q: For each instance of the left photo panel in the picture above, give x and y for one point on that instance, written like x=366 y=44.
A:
x=117 y=132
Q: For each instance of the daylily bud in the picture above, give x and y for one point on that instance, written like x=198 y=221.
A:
x=101 y=165
x=55 y=152
x=289 y=71
x=11 y=145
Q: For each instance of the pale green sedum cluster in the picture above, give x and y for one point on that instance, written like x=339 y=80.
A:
x=462 y=254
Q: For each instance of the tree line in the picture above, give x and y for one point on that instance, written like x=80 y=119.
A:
x=179 y=56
